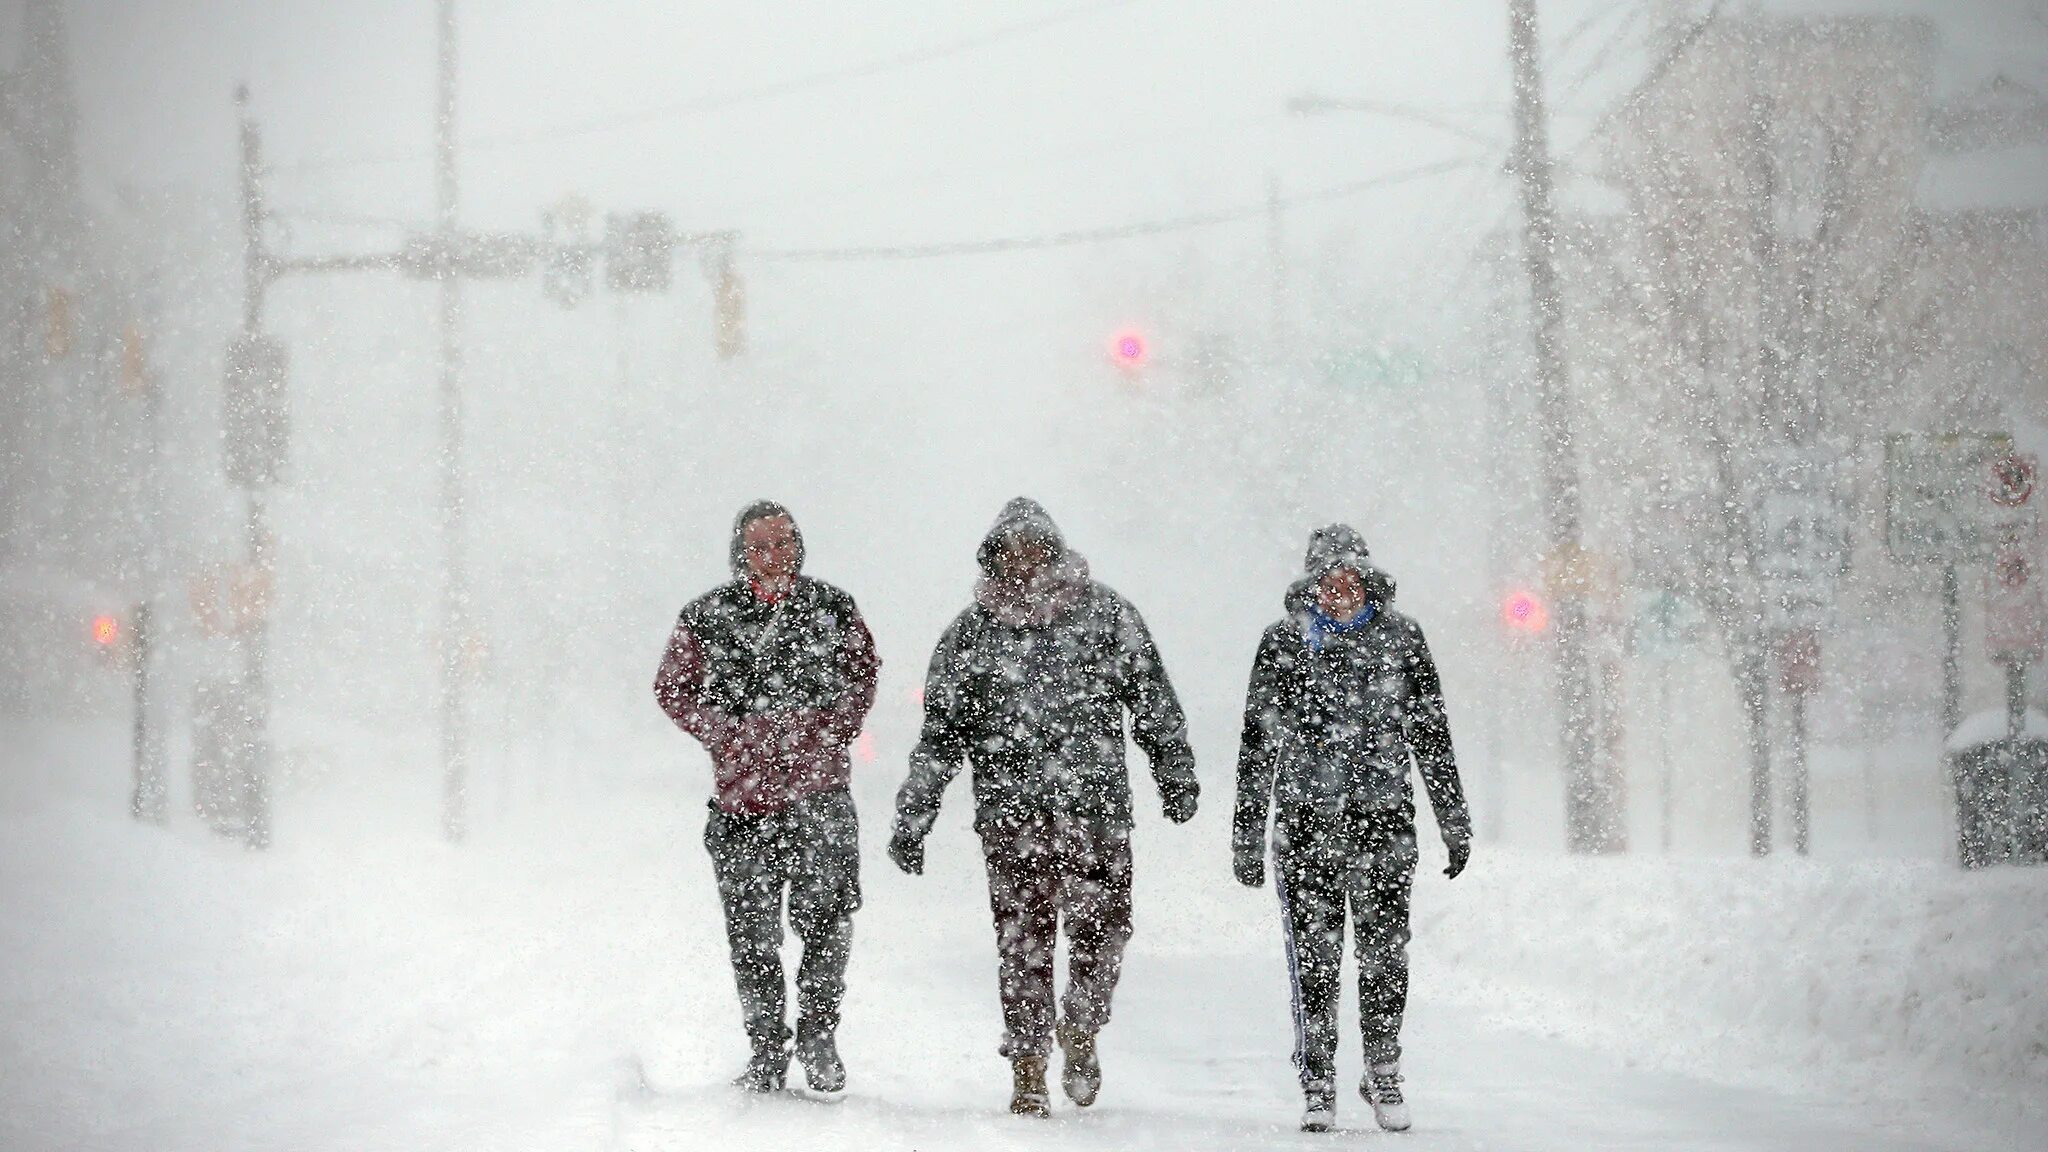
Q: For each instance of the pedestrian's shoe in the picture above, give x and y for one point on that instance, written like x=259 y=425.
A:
x=1381 y=1088
x=766 y=1071
x=823 y=1070
x=1028 y=1096
x=1080 y=1071
x=1319 y=1106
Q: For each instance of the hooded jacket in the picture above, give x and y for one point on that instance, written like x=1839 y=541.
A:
x=1333 y=718
x=1031 y=684
x=774 y=692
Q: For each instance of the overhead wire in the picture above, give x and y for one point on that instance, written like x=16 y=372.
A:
x=1104 y=234
x=629 y=118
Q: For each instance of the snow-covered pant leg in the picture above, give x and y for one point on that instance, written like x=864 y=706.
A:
x=1312 y=901
x=1022 y=895
x=1094 y=892
x=1379 y=919
x=747 y=858
x=824 y=893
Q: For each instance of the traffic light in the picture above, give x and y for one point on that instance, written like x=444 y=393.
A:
x=636 y=251
x=1129 y=350
x=1525 y=612
x=106 y=633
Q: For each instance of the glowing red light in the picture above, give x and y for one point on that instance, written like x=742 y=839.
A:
x=106 y=630
x=864 y=748
x=1128 y=349
x=1524 y=611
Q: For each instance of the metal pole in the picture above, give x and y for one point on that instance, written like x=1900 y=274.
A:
x=1592 y=822
x=1798 y=798
x=147 y=801
x=1951 y=653
x=2015 y=699
x=455 y=586
x=1664 y=755
x=1756 y=696
x=255 y=640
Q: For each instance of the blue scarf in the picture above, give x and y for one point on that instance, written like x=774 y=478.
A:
x=1320 y=626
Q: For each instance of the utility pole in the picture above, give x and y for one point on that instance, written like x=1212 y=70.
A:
x=455 y=579
x=1592 y=820
x=253 y=633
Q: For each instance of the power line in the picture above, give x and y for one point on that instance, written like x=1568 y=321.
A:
x=1103 y=234
x=633 y=117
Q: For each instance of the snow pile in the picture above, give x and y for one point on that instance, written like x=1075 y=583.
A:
x=1850 y=972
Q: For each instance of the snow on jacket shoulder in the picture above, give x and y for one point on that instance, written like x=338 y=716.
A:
x=774 y=692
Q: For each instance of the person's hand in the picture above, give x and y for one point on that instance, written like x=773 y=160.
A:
x=1179 y=806
x=1248 y=862
x=1460 y=847
x=908 y=853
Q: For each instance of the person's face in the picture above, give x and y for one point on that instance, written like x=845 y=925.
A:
x=1023 y=556
x=1340 y=594
x=770 y=549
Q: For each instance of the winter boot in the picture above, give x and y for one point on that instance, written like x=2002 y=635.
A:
x=1028 y=1096
x=1080 y=1071
x=1319 y=1110
x=766 y=1071
x=1381 y=1087
x=823 y=1070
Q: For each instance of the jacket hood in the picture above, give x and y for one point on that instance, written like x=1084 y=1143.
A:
x=759 y=510
x=1021 y=517
x=1338 y=546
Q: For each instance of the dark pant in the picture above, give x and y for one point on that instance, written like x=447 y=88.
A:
x=1315 y=885
x=810 y=850
x=1043 y=872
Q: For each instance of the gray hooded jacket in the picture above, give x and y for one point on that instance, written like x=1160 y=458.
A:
x=1333 y=718
x=1031 y=686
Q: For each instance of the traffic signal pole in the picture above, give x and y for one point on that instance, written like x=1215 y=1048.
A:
x=1592 y=817
x=455 y=577
x=253 y=636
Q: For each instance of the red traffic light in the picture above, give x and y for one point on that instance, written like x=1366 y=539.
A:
x=1524 y=611
x=1129 y=350
x=106 y=631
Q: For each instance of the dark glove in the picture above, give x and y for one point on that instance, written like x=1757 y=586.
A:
x=1459 y=845
x=1180 y=806
x=908 y=853
x=1248 y=861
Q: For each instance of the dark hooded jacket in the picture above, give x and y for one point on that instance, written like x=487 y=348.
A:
x=774 y=692
x=1031 y=685
x=1334 y=715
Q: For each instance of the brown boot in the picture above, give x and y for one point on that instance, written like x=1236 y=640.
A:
x=1080 y=1072
x=1027 y=1094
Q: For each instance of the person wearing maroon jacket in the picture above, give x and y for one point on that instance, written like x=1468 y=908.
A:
x=774 y=672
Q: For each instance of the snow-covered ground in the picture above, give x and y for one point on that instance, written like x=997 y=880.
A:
x=560 y=983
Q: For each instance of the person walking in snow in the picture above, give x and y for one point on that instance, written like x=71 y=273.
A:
x=1343 y=695
x=774 y=672
x=1031 y=683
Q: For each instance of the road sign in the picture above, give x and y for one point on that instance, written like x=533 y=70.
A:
x=1666 y=624
x=1798 y=544
x=2013 y=479
x=1954 y=498
x=2015 y=616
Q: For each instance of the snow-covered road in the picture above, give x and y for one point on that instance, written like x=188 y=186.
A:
x=364 y=987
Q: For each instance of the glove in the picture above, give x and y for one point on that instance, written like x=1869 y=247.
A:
x=1248 y=861
x=908 y=853
x=1180 y=806
x=1459 y=845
